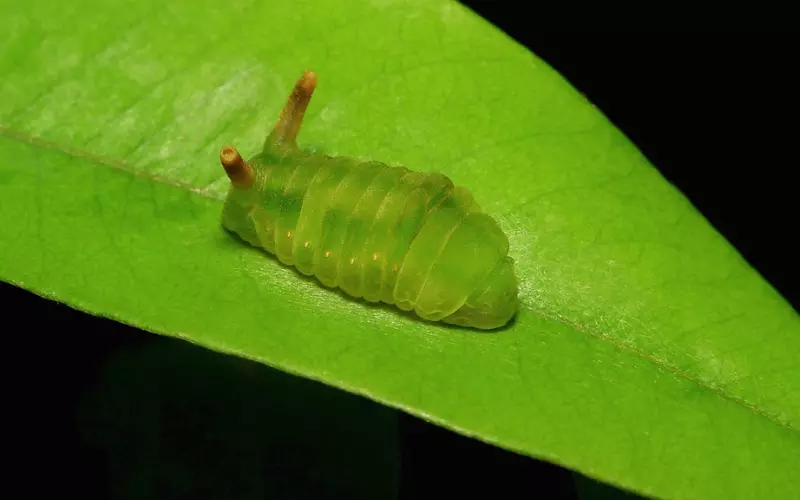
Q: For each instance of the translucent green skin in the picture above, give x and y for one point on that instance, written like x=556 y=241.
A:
x=379 y=232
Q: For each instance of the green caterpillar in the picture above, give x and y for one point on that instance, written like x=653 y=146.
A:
x=376 y=231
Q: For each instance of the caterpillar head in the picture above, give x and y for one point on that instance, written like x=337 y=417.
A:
x=243 y=194
x=247 y=180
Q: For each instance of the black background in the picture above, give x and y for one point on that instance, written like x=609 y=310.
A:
x=710 y=110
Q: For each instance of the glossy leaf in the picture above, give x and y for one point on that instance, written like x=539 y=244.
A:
x=647 y=352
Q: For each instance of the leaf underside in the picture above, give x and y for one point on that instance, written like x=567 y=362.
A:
x=647 y=352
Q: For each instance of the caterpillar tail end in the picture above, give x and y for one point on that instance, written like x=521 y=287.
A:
x=493 y=305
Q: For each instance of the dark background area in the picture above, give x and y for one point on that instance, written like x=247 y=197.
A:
x=706 y=108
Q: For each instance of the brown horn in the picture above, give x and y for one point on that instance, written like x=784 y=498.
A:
x=239 y=171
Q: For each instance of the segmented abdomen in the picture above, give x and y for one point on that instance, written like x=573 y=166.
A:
x=382 y=233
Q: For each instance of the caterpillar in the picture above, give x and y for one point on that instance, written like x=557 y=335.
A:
x=378 y=232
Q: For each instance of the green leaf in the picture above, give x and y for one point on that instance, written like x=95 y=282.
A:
x=647 y=352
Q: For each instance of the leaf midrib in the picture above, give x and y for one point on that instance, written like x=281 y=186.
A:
x=203 y=192
x=102 y=160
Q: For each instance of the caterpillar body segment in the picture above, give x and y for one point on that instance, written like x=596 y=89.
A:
x=383 y=233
